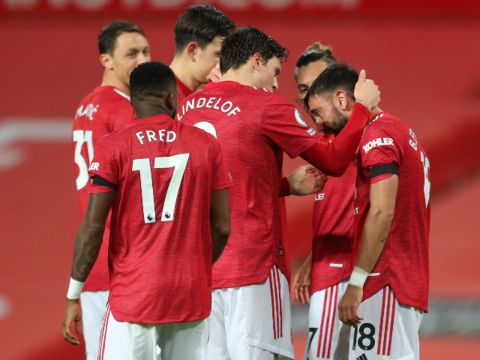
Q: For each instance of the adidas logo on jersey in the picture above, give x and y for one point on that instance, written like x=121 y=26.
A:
x=362 y=357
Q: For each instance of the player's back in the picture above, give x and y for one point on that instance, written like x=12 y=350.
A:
x=244 y=121
x=101 y=112
x=404 y=260
x=160 y=246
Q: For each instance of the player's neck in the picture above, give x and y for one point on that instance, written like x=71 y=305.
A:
x=240 y=76
x=181 y=69
x=109 y=80
x=146 y=110
x=375 y=111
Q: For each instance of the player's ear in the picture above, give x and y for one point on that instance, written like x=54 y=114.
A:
x=256 y=61
x=192 y=50
x=341 y=99
x=172 y=102
x=107 y=61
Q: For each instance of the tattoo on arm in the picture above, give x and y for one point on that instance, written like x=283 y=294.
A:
x=85 y=254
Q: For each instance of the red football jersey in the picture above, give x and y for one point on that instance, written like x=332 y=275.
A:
x=183 y=91
x=332 y=246
x=254 y=127
x=403 y=263
x=104 y=110
x=160 y=251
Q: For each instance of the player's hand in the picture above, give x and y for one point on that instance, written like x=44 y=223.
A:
x=306 y=180
x=301 y=282
x=215 y=74
x=366 y=91
x=348 y=305
x=73 y=316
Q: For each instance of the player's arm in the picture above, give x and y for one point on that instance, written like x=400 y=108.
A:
x=87 y=246
x=219 y=222
x=375 y=231
x=301 y=282
x=333 y=157
x=304 y=180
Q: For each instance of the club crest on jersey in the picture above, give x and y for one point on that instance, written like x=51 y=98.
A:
x=299 y=119
x=87 y=111
x=376 y=143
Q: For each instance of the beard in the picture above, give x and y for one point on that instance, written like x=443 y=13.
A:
x=339 y=123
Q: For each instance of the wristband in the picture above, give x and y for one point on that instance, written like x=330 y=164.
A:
x=358 y=277
x=74 y=289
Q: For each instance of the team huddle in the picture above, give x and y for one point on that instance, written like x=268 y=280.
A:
x=180 y=253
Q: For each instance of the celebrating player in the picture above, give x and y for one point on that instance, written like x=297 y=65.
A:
x=332 y=245
x=251 y=307
x=316 y=58
x=391 y=226
x=122 y=46
x=199 y=33
x=166 y=184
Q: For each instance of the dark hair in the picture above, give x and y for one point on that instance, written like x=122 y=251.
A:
x=313 y=53
x=107 y=37
x=152 y=78
x=201 y=23
x=243 y=43
x=336 y=76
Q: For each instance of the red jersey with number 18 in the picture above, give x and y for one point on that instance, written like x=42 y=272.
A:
x=101 y=112
x=160 y=251
x=254 y=127
x=403 y=263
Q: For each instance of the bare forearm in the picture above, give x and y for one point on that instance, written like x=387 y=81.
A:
x=87 y=247
x=374 y=236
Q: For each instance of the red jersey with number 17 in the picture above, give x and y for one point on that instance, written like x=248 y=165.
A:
x=160 y=251
x=254 y=127
x=101 y=112
x=403 y=263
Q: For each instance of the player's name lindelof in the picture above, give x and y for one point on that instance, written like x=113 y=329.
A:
x=212 y=102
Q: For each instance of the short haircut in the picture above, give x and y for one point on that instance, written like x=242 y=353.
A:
x=107 y=37
x=334 y=77
x=201 y=24
x=243 y=43
x=152 y=79
x=313 y=53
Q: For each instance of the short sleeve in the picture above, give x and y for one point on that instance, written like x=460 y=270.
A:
x=379 y=147
x=222 y=178
x=104 y=164
x=284 y=125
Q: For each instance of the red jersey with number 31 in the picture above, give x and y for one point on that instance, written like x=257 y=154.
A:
x=101 y=112
x=160 y=251
x=403 y=263
x=254 y=128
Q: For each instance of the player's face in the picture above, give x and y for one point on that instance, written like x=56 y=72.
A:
x=328 y=117
x=131 y=50
x=207 y=59
x=307 y=75
x=267 y=74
